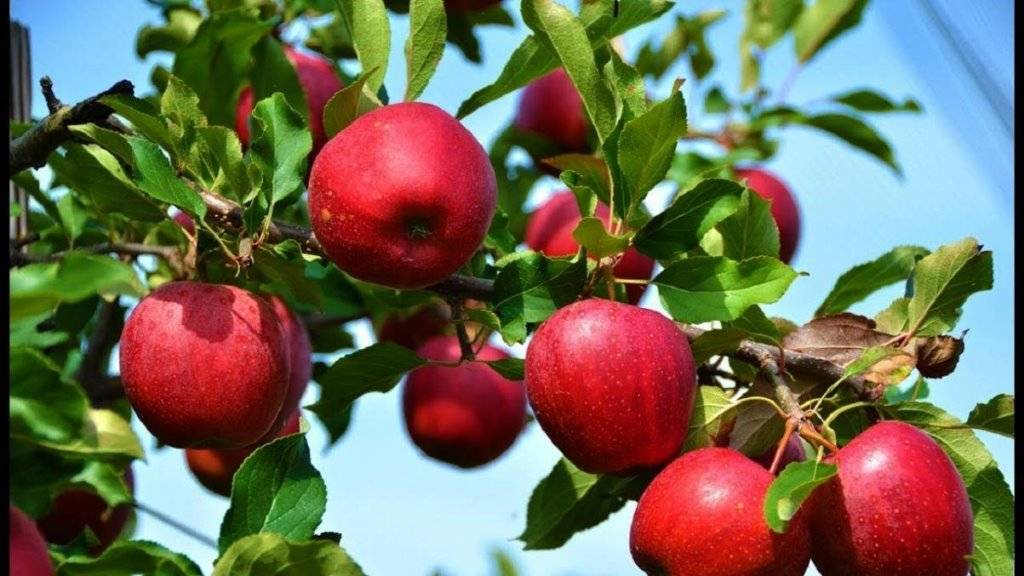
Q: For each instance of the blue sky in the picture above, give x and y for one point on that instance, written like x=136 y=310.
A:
x=403 y=514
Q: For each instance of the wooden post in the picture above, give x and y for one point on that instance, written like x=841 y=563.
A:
x=21 y=111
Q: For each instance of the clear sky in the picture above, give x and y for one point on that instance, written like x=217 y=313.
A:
x=402 y=514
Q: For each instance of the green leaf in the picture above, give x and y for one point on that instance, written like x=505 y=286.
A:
x=377 y=368
x=180 y=105
x=791 y=488
x=751 y=231
x=711 y=411
x=106 y=436
x=155 y=177
x=679 y=229
x=509 y=368
x=991 y=499
x=215 y=63
x=106 y=480
x=871 y=356
x=715 y=342
x=647 y=146
x=97 y=176
x=348 y=104
x=499 y=237
x=503 y=563
x=994 y=416
x=865 y=279
x=943 y=281
x=534 y=58
x=180 y=28
x=871 y=101
x=767 y=21
x=424 y=47
x=224 y=148
x=715 y=101
x=567 y=501
x=822 y=22
x=591 y=234
x=756 y=326
x=856 y=133
x=559 y=29
x=366 y=22
x=893 y=320
x=590 y=172
x=43 y=405
x=111 y=141
x=686 y=38
x=272 y=72
x=918 y=390
x=281 y=143
x=530 y=287
x=38 y=288
x=706 y=288
x=127 y=558
x=276 y=490
x=145 y=119
x=283 y=263
x=270 y=555
x=72 y=217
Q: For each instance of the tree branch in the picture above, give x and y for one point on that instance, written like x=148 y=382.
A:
x=169 y=253
x=31 y=149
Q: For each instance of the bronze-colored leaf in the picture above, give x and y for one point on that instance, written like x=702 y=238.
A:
x=937 y=356
x=842 y=338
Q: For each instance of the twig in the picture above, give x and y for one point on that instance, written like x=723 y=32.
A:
x=92 y=371
x=168 y=253
x=459 y=319
x=199 y=537
x=31 y=149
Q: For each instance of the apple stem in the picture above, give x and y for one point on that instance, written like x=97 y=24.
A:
x=459 y=319
x=790 y=427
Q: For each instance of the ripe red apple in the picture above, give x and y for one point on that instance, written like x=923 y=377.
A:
x=551 y=108
x=612 y=385
x=403 y=196
x=75 y=509
x=549 y=230
x=898 y=507
x=784 y=207
x=413 y=330
x=205 y=365
x=466 y=415
x=461 y=6
x=185 y=221
x=27 y=554
x=793 y=452
x=703 y=514
x=216 y=468
x=300 y=363
x=319 y=82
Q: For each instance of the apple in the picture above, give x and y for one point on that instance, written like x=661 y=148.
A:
x=403 y=196
x=549 y=230
x=185 y=221
x=27 y=553
x=300 y=363
x=793 y=452
x=897 y=507
x=612 y=385
x=414 y=329
x=216 y=468
x=72 y=511
x=319 y=82
x=461 y=6
x=204 y=365
x=784 y=207
x=703 y=514
x=550 y=107
x=465 y=415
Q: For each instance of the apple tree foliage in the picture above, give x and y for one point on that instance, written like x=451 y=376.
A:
x=100 y=238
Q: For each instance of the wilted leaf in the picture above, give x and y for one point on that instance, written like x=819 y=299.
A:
x=844 y=339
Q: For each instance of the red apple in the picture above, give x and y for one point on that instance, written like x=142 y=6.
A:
x=75 y=509
x=898 y=507
x=216 y=468
x=205 y=365
x=466 y=415
x=413 y=330
x=300 y=363
x=461 y=6
x=784 y=208
x=612 y=385
x=703 y=514
x=403 y=196
x=319 y=82
x=27 y=553
x=549 y=230
x=793 y=452
x=551 y=108
x=185 y=221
